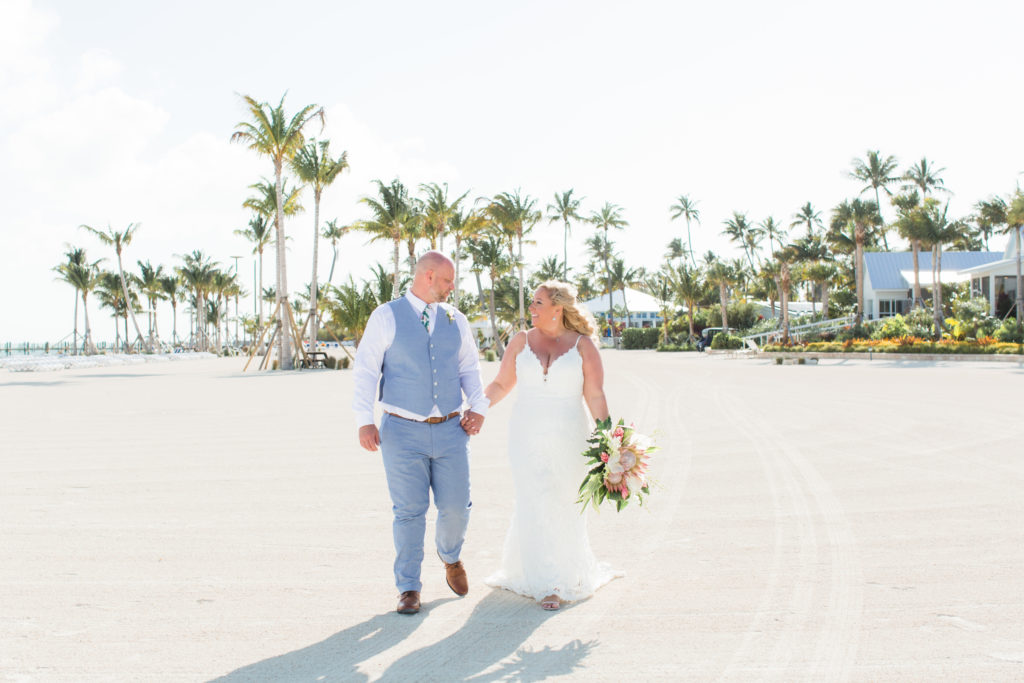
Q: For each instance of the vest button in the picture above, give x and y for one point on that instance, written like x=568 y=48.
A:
x=435 y=384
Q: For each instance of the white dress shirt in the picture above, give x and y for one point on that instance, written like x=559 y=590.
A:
x=377 y=339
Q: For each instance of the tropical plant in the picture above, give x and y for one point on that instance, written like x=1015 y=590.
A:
x=774 y=232
x=720 y=274
x=488 y=253
x=686 y=208
x=260 y=234
x=149 y=284
x=991 y=216
x=197 y=273
x=550 y=268
x=273 y=134
x=170 y=285
x=438 y=212
x=565 y=208
x=862 y=217
x=876 y=171
x=393 y=217
x=516 y=215
x=689 y=288
x=119 y=240
x=808 y=217
x=314 y=165
x=334 y=232
x=78 y=272
x=1015 y=224
x=607 y=217
x=464 y=225
x=738 y=229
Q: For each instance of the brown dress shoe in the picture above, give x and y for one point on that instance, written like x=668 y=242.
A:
x=455 y=574
x=409 y=602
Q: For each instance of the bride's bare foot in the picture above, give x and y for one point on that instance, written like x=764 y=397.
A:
x=551 y=602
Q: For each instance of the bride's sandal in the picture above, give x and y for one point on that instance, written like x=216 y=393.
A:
x=551 y=603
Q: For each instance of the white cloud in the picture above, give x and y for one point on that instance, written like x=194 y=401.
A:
x=96 y=67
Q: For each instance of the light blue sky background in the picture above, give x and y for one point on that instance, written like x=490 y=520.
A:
x=115 y=112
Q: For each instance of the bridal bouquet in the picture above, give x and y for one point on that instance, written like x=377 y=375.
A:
x=618 y=465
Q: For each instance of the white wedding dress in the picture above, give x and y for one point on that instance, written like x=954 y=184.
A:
x=547 y=550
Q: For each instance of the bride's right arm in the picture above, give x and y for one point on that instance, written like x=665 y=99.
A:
x=506 y=377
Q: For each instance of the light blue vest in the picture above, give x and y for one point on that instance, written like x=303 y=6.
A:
x=422 y=370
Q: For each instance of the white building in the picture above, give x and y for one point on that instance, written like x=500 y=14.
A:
x=644 y=309
x=997 y=279
x=889 y=276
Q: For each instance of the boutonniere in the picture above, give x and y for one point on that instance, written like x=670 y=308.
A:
x=451 y=316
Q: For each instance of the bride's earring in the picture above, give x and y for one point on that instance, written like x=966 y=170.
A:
x=554 y=318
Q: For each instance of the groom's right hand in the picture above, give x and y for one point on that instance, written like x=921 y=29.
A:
x=369 y=437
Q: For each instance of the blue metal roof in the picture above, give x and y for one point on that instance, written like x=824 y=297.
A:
x=884 y=267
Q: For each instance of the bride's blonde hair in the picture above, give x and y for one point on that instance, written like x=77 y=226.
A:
x=575 y=315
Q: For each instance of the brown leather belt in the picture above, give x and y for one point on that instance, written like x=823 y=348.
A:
x=429 y=420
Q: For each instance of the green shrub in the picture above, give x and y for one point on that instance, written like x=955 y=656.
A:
x=854 y=332
x=891 y=328
x=724 y=341
x=490 y=355
x=677 y=347
x=331 y=363
x=1008 y=332
x=921 y=322
x=970 y=318
x=742 y=316
x=345 y=362
x=640 y=337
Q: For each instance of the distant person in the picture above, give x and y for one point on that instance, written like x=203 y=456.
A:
x=418 y=356
x=557 y=365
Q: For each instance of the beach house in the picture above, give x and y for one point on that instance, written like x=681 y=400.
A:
x=644 y=309
x=889 y=276
x=997 y=280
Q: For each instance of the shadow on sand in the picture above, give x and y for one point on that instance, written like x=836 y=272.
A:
x=495 y=630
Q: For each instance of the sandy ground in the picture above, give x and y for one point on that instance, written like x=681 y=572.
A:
x=847 y=521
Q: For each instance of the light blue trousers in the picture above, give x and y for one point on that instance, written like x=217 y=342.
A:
x=418 y=458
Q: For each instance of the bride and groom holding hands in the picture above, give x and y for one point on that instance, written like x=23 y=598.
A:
x=419 y=359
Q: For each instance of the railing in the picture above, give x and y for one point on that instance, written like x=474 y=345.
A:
x=799 y=330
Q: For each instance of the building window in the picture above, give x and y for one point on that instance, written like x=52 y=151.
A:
x=890 y=307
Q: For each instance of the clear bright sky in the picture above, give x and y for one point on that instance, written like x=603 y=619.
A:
x=119 y=112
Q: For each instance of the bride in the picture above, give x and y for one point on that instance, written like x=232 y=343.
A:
x=547 y=555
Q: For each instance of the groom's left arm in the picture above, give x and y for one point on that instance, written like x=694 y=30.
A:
x=469 y=378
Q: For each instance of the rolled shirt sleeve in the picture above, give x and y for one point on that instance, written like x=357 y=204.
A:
x=469 y=369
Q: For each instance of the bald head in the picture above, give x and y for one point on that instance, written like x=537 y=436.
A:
x=432 y=260
x=434 y=277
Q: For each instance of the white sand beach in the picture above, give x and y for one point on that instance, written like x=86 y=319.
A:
x=851 y=520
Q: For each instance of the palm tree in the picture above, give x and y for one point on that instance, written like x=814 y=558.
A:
x=720 y=274
x=807 y=216
x=516 y=214
x=75 y=256
x=334 y=232
x=149 y=283
x=607 y=217
x=623 y=277
x=936 y=230
x=876 y=171
x=259 y=234
x=438 y=212
x=264 y=201
x=392 y=215
x=822 y=273
x=314 y=166
x=774 y=232
x=676 y=249
x=197 y=273
x=785 y=257
x=991 y=215
x=861 y=216
x=550 y=268
x=272 y=134
x=689 y=288
x=170 y=285
x=922 y=176
x=737 y=229
x=111 y=295
x=488 y=254
x=120 y=240
x=565 y=208
x=465 y=225
x=686 y=208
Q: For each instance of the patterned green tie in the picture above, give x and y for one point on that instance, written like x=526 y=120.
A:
x=425 y=318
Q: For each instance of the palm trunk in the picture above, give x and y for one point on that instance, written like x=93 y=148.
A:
x=334 y=258
x=881 y=221
x=479 y=288
x=75 y=331
x=494 y=323
x=522 y=307
x=394 y=290
x=629 y=318
x=784 y=282
x=859 y=281
x=314 y=330
x=87 y=337
x=259 y=294
x=128 y=304
x=689 y=315
x=174 y=314
x=824 y=301
x=284 y=332
x=915 y=249
x=611 y=302
x=458 y=262
x=565 y=253
x=689 y=244
x=937 y=289
x=440 y=237
x=723 y=300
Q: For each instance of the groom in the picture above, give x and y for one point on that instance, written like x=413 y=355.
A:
x=418 y=357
